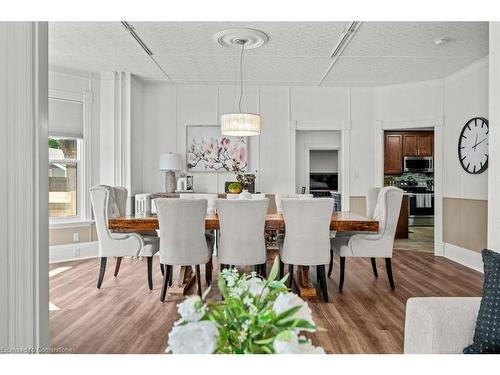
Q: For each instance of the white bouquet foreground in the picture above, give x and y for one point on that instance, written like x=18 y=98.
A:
x=255 y=316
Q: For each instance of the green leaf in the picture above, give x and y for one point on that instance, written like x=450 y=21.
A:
x=274 y=270
x=264 y=341
x=288 y=313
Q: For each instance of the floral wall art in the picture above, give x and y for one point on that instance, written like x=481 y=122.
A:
x=207 y=150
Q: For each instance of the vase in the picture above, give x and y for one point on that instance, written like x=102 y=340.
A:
x=245 y=195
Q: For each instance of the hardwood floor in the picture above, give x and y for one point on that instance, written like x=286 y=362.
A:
x=419 y=239
x=124 y=316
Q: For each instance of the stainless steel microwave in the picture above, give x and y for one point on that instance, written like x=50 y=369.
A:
x=421 y=164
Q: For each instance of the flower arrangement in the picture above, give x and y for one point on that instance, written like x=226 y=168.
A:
x=255 y=316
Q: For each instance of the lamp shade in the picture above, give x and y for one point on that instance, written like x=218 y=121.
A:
x=170 y=162
x=240 y=124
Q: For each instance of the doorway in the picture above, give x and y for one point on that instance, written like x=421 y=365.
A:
x=409 y=165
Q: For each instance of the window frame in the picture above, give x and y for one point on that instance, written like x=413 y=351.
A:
x=84 y=151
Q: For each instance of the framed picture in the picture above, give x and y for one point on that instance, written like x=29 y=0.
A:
x=208 y=150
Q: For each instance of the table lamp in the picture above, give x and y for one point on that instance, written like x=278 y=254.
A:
x=170 y=163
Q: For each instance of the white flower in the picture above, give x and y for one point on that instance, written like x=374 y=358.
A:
x=256 y=287
x=287 y=342
x=191 y=309
x=285 y=301
x=193 y=338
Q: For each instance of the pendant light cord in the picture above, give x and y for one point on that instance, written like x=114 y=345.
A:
x=241 y=74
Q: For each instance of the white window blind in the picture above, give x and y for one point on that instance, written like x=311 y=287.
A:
x=65 y=118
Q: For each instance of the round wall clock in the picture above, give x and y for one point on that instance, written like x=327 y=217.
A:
x=473 y=146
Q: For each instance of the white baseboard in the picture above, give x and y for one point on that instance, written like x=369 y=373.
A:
x=73 y=251
x=466 y=257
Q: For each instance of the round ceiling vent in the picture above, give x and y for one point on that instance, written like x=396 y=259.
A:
x=233 y=38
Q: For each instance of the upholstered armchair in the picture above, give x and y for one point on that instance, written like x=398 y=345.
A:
x=183 y=240
x=307 y=238
x=108 y=201
x=242 y=240
x=373 y=246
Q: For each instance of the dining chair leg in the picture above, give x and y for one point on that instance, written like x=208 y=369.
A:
x=222 y=266
x=171 y=276
x=150 y=272
x=290 y=275
x=208 y=272
x=162 y=269
x=282 y=269
x=166 y=277
x=374 y=267
x=388 y=266
x=318 y=275
x=330 y=266
x=117 y=266
x=198 y=279
x=322 y=281
x=102 y=270
x=342 y=271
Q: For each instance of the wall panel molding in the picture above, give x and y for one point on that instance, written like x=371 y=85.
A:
x=24 y=218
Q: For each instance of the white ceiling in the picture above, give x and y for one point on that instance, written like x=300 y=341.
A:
x=298 y=53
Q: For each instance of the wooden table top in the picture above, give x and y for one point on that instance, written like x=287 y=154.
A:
x=341 y=222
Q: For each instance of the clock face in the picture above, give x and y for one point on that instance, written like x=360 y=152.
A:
x=473 y=146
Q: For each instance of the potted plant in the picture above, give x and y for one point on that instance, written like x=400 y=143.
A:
x=255 y=316
x=234 y=188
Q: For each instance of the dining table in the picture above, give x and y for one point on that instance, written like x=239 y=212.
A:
x=341 y=221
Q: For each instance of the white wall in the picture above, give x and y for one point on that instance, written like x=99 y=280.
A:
x=465 y=97
x=168 y=109
x=494 y=139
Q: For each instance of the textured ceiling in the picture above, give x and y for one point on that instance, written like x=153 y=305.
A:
x=297 y=52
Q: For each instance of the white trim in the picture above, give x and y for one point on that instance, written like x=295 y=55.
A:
x=291 y=156
x=466 y=257
x=71 y=224
x=436 y=124
x=320 y=126
x=23 y=196
x=73 y=251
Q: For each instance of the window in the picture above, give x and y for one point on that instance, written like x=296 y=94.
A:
x=64 y=177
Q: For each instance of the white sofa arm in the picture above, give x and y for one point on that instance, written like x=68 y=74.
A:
x=440 y=324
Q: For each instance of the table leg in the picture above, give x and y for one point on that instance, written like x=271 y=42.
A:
x=306 y=288
x=184 y=281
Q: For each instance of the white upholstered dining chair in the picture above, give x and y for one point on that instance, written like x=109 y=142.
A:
x=183 y=240
x=307 y=236
x=379 y=245
x=371 y=202
x=279 y=197
x=242 y=241
x=110 y=202
x=211 y=200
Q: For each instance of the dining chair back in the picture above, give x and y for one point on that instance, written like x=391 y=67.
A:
x=242 y=223
x=182 y=231
x=371 y=201
x=211 y=200
x=307 y=226
x=279 y=197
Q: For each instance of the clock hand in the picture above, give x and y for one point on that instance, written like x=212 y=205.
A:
x=477 y=144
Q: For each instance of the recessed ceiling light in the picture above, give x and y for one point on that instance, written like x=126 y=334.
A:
x=441 y=41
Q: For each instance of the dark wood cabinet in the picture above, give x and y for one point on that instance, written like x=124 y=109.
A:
x=393 y=154
x=417 y=144
x=410 y=144
x=425 y=143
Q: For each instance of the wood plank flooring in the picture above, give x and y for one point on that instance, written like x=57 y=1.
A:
x=366 y=317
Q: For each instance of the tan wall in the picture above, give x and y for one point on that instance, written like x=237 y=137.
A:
x=465 y=223
x=358 y=205
x=63 y=236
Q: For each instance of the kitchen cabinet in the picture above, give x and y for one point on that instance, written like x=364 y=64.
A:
x=425 y=143
x=417 y=144
x=393 y=154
